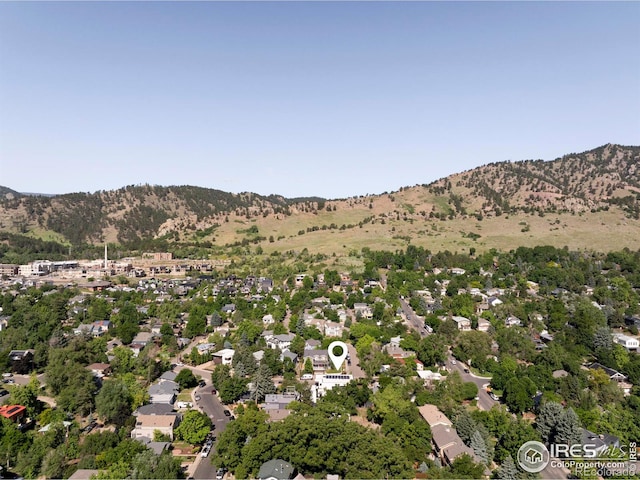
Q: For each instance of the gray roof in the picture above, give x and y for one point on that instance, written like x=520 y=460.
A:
x=444 y=436
x=276 y=468
x=169 y=375
x=165 y=388
x=290 y=355
x=600 y=441
x=156 y=447
x=154 y=409
x=285 y=337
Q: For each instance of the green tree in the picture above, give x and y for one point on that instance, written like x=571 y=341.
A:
x=54 y=463
x=186 y=379
x=473 y=346
x=432 y=350
x=518 y=394
x=231 y=389
x=194 y=428
x=518 y=432
x=124 y=361
x=308 y=366
x=148 y=465
x=297 y=345
x=112 y=402
x=464 y=467
x=27 y=396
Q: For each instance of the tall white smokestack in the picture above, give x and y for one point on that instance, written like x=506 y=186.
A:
x=105 y=256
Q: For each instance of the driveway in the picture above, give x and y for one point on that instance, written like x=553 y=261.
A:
x=355 y=369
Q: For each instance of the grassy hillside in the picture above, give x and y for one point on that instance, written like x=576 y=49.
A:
x=587 y=200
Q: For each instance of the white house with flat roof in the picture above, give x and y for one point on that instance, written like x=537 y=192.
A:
x=327 y=381
x=224 y=356
x=630 y=343
x=464 y=324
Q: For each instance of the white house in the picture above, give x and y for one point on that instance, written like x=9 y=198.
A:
x=224 y=356
x=464 y=324
x=283 y=342
x=429 y=376
x=512 y=321
x=363 y=310
x=630 y=343
x=483 y=325
x=333 y=329
x=325 y=382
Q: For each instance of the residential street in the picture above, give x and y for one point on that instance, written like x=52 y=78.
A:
x=211 y=406
x=413 y=321
x=485 y=402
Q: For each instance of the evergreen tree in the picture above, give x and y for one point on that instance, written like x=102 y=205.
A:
x=547 y=419
x=239 y=370
x=479 y=446
x=300 y=326
x=465 y=426
x=508 y=470
x=216 y=319
x=262 y=384
x=568 y=428
x=602 y=339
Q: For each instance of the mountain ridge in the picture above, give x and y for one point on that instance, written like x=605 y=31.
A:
x=603 y=179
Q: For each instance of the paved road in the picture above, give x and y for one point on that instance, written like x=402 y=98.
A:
x=485 y=402
x=211 y=406
x=413 y=320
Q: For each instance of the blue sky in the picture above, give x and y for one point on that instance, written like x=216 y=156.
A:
x=331 y=99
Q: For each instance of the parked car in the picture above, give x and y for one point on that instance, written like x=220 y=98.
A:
x=90 y=427
x=202 y=383
x=493 y=396
x=220 y=473
x=205 y=452
x=213 y=391
x=197 y=397
x=227 y=413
